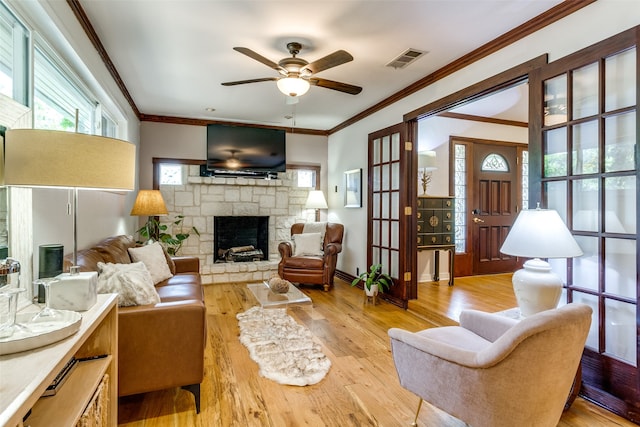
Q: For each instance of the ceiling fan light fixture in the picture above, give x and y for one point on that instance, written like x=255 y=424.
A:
x=293 y=86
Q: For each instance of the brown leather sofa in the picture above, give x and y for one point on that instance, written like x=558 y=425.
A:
x=159 y=346
x=310 y=269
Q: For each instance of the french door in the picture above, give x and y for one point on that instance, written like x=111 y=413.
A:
x=583 y=163
x=388 y=188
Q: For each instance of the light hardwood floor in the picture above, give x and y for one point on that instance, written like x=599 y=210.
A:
x=361 y=389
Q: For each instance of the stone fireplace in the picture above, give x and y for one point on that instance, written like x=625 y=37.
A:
x=240 y=238
x=202 y=198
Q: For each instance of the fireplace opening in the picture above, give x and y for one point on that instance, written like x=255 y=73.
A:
x=240 y=238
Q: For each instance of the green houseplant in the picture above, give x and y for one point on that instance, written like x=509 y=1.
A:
x=374 y=280
x=157 y=232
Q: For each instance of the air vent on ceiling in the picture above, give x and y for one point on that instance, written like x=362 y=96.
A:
x=406 y=58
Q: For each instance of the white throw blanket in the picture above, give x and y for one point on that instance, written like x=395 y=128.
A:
x=316 y=227
x=284 y=349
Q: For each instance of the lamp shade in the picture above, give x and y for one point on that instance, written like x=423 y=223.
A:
x=316 y=200
x=293 y=86
x=540 y=233
x=427 y=160
x=149 y=203
x=47 y=158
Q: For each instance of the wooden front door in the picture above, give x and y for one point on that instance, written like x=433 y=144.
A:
x=494 y=206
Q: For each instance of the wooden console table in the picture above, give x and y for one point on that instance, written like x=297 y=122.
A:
x=26 y=375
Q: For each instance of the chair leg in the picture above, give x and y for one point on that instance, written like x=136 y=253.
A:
x=195 y=390
x=415 y=420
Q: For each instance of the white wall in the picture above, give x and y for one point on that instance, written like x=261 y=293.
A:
x=589 y=25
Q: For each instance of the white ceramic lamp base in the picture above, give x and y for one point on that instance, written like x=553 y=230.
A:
x=536 y=287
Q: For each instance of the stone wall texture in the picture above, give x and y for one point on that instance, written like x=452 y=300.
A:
x=202 y=198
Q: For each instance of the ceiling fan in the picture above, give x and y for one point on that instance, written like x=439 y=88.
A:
x=298 y=74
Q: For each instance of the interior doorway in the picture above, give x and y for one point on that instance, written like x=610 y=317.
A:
x=473 y=142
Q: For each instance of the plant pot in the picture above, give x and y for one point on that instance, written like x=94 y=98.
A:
x=372 y=292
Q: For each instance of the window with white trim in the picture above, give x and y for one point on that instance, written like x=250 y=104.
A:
x=59 y=99
x=14 y=48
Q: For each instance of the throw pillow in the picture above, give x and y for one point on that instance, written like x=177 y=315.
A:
x=307 y=244
x=170 y=263
x=132 y=282
x=153 y=258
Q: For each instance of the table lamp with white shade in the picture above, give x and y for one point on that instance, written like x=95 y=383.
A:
x=538 y=233
x=316 y=201
x=427 y=164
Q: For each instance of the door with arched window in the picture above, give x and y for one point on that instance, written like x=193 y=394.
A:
x=494 y=204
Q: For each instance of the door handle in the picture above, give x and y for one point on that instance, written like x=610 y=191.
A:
x=478 y=220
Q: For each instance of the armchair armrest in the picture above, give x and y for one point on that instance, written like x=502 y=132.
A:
x=489 y=326
x=333 y=248
x=439 y=349
x=285 y=249
x=187 y=264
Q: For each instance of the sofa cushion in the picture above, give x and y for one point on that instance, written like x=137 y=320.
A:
x=180 y=287
x=132 y=282
x=305 y=262
x=152 y=256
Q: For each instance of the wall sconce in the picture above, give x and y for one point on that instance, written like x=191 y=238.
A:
x=426 y=162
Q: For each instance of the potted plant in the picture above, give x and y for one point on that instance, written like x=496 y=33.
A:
x=157 y=232
x=374 y=280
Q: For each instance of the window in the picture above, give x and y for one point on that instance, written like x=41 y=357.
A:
x=109 y=127
x=495 y=163
x=14 y=43
x=60 y=102
x=306 y=178
x=171 y=174
x=460 y=185
x=524 y=159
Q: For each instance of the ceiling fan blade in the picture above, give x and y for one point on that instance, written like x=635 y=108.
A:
x=241 y=82
x=339 y=86
x=332 y=60
x=253 y=55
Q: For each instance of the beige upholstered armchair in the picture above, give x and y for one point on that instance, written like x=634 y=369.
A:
x=492 y=371
x=311 y=255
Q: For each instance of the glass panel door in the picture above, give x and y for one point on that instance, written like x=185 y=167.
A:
x=588 y=173
x=387 y=227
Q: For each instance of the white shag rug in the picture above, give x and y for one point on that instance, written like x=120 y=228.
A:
x=284 y=349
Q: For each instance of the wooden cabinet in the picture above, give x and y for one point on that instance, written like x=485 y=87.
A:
x=436 y=229
x=25 y=376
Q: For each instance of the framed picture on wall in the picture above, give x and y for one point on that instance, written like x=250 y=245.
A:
x=353 y=188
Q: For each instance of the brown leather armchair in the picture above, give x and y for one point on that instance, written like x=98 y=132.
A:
x=312 y=269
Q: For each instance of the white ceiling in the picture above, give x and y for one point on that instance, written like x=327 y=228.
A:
x=173 y=55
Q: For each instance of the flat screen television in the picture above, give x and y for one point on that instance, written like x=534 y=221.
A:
x=245 y=150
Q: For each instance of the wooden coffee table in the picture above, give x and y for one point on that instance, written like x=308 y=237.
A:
x=269 y=299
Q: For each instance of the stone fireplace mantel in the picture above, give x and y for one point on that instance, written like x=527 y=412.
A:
x=202 y=198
